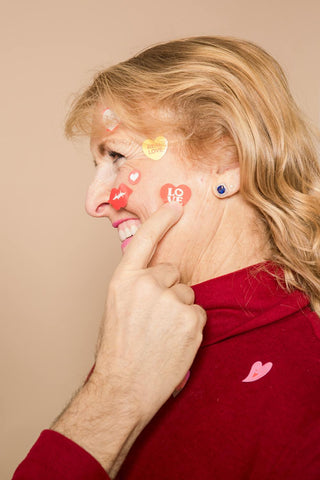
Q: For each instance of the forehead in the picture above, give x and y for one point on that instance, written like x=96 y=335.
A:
x=106 y=124
x=120 y=138
x=123 y=139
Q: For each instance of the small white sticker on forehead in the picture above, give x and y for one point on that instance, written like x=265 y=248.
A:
x=110 y=120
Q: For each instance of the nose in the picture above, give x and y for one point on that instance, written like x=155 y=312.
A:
x=97 y=200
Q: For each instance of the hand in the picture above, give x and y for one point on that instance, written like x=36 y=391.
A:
x=150 y=334
x=152 y=329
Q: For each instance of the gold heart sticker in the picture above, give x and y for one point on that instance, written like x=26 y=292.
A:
x=155 y=149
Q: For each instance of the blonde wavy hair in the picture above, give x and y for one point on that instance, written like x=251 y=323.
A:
x=206 y=89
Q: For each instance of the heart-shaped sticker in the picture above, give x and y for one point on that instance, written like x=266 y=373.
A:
x=110 y=120
x=180 y=194
x=155 y=149
x=258 y=371
x=134 y=177
x=119 y=196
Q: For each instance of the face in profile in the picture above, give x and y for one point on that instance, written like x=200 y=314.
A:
x=135 y=175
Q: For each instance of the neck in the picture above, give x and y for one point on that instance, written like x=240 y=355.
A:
x=238 y=241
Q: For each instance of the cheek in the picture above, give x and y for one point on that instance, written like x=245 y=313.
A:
x=134 y=177
x=171 y=193
x=129 y=174
x=145 y=198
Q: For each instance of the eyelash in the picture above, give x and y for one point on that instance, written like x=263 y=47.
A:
x=115 y=155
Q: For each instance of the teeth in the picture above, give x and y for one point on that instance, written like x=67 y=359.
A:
x=127 y=230
x=133 y=229
x=122 y=235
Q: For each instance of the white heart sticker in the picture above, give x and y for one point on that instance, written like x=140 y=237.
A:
x=134 y=177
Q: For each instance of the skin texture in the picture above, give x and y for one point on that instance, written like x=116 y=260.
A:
x=222 y=234
x=151 y=330
x=140 y=359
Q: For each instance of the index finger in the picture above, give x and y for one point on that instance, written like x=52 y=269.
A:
x=142 y=246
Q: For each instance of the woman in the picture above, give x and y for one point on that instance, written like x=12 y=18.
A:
x=207 y=123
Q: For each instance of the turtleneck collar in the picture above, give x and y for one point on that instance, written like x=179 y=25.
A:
x=244 y=300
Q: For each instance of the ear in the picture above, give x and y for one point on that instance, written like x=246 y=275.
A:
x=227 y=182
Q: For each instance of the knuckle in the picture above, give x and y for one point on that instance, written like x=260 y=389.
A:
x=144 y=279
x=174 y=269
x=190 y=324
x=189 y=315
x=176 y=290
x=194 y=318
x=168 y=268
x=146 y=283
x=201 y=314
x=189 y=293
x=169 y=296
x=199 y=339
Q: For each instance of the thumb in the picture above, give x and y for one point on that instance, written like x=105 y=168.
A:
x=141 y=248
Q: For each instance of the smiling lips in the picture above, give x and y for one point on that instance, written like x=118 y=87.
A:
x=126 y=229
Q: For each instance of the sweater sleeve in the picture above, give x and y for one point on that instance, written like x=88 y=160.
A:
x=56 y=457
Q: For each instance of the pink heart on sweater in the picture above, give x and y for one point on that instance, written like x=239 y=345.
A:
x=258 y=371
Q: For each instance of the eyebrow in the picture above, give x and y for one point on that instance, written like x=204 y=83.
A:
x=112 y=143
x=101 y=148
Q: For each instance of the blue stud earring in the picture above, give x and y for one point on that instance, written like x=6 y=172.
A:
x=222 y=189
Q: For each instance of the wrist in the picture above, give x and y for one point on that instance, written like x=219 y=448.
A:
x=102 y=419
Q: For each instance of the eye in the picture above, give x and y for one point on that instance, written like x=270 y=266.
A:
x=115 y=156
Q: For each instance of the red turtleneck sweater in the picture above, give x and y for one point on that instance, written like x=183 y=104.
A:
x=250 y=409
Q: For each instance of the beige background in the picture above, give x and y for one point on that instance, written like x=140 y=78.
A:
x=55 y=260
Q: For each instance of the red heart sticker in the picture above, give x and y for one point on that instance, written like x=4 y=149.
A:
x=180 y=194
x=119 y=196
